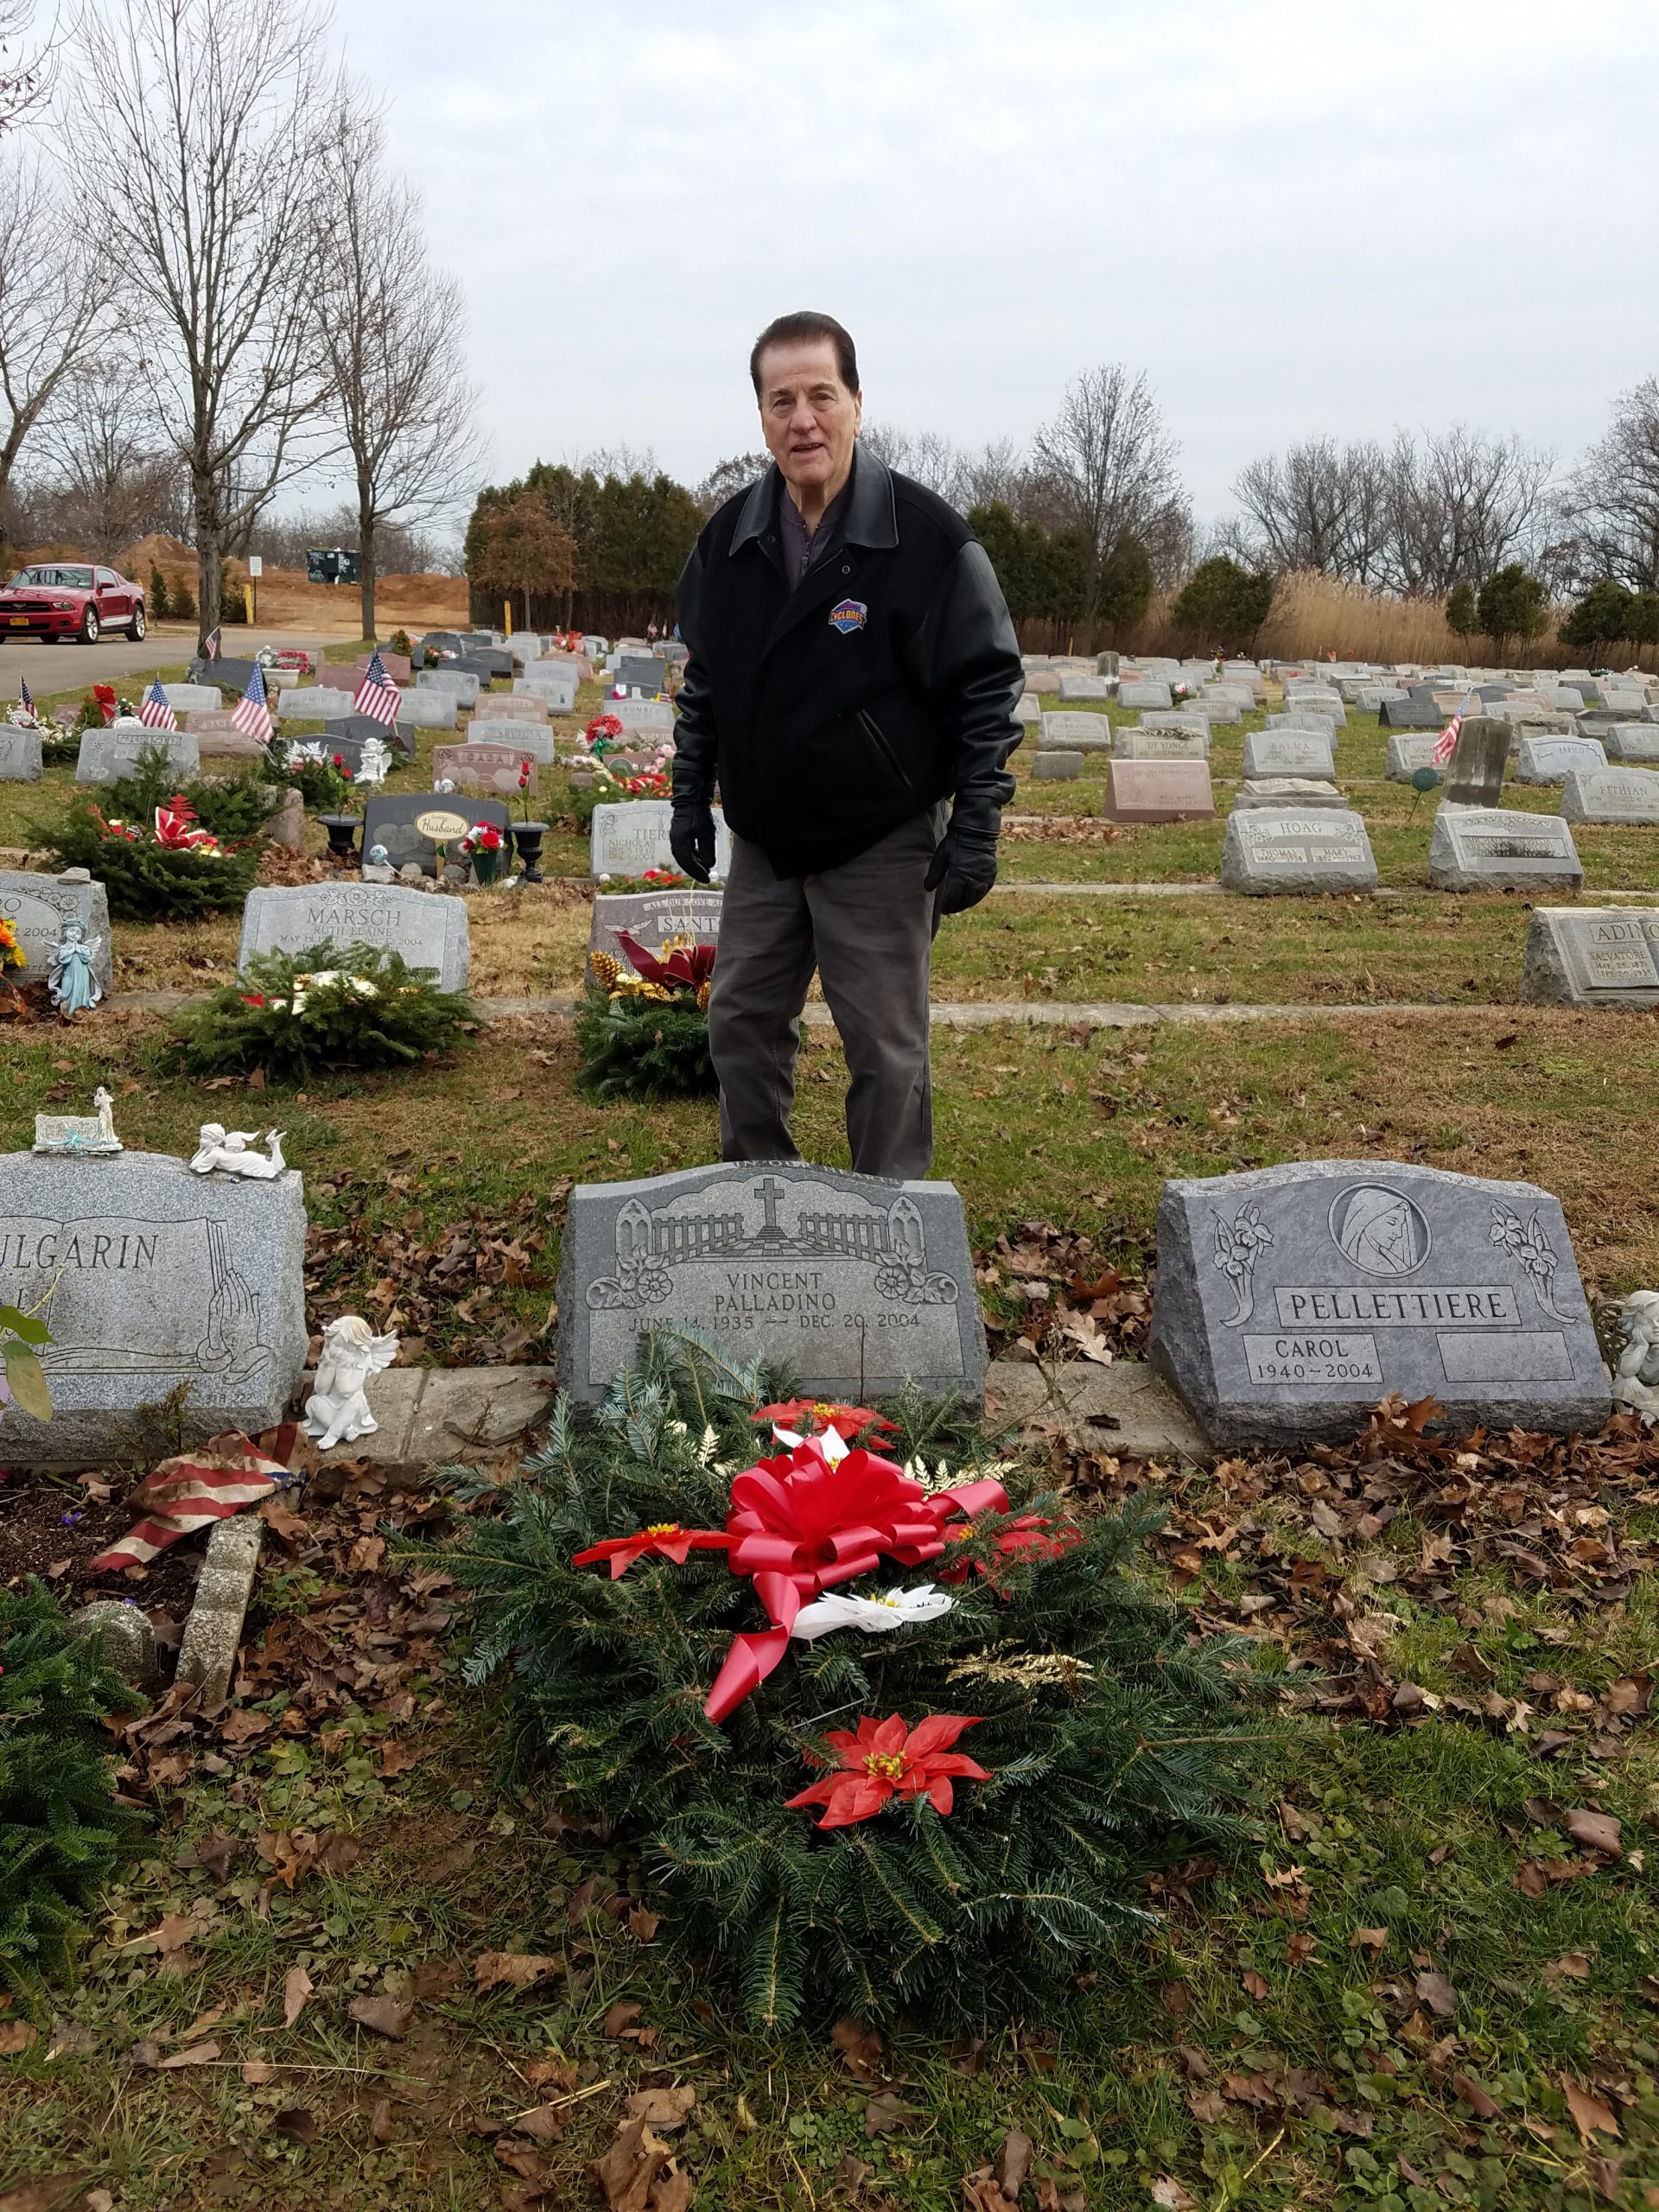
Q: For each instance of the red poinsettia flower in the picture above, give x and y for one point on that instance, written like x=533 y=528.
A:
x=881 y=1759
x=812 y=1416
x=1031 y=1535
x=665 y=1538
x=253 y=998
x=690 y=966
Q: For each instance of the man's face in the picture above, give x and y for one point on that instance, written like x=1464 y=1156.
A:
x=810 y=418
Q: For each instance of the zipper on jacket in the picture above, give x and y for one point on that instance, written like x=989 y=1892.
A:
x=871 y=729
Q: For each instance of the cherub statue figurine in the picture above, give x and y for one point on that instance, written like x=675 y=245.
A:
x=74 y=987
x=337 y=1412
x=227 y=1150
x=1636 y=1384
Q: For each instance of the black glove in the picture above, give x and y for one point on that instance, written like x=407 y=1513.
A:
x=965 y=861
x=691 y=838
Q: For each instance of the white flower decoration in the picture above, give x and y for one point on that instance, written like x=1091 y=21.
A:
x=899 y=1609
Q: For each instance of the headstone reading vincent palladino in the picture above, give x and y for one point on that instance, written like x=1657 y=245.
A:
x=1268 y=850
x=859 y=1285
x=150 y=1278
x=1486 y=849
x=1291 y=1298
x=37 y=907
x=1592 y=955
x=427 y=931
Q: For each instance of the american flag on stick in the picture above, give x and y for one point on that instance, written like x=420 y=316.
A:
x=153 y=709
x=210 y=1483
x=211 y=645
x=1447 y=744
x=377 y=694
x=250 y=715
x=25 y=699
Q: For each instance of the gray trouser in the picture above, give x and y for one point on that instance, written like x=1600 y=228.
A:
x=868 y=927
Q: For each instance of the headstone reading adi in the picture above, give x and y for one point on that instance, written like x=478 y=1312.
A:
x=1268 y=850
x=428 y=930
x=1290 y=1299
x=859 y=1285
x=1490 y=849
x=150 y=1278
x=1592 y=955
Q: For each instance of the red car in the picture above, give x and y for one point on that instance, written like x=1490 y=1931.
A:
x=70 y=599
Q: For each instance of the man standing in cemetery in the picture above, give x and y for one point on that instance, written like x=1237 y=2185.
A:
x=850 y=690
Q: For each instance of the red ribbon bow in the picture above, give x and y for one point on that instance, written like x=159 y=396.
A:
x=689 y=965
x=802 y=1523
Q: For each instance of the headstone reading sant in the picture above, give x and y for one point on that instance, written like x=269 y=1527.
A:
x=1490 y=849
x=630 y=836
x=1592 y=955
x=150 y=1278
x=650 y=918
x=37 y=907
x=1269 y=850
x=859 y=1285
x=1290 y=1299
x=428 y=930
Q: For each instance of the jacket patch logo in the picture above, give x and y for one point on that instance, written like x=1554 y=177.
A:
x=848 y=614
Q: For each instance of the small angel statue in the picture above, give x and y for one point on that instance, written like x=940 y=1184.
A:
x=337 y=1412
x=74 y=987
x=228 y=1151
x=374 y=765
x=1636 y=1384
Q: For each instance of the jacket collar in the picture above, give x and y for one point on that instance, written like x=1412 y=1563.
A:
x=872 y=518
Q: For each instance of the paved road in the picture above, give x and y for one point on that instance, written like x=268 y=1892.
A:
x=52 y=669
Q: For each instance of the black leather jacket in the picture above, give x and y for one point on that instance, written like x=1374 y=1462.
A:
x=886 y=683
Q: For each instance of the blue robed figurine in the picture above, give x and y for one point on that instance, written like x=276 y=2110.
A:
x=73 y=987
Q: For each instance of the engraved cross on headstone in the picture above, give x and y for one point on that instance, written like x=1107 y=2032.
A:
x=769 y=1192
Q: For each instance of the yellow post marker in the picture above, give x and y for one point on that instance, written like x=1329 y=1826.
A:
x=247 y=603
x=506 y=616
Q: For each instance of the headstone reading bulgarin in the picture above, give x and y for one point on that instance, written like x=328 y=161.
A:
x=1290 y=1299
x=1489 y=849
x=428 y=930
x=859 y=1285
x=1592 y=955
x=148 y=1278
x=413 y=825
x=37 y=907
x=1268 y=850
x=650 y=918
x=630 y=837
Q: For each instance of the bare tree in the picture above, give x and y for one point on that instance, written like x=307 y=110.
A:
x=1111 y=463
x=202 y=131
x=1611 y=501
x=728 y=477
x=1322 y=506
x=109 y=478
x=25 y=70
x=53 y=289
x=392 y=335
x=1461 y=505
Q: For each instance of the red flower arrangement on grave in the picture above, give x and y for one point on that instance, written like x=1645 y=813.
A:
x=482 y=837
x=882 y=1759
x=812 y=1416
x=175 y=829
x=603 y=734
x=664 y=1539
x=1032 y=1537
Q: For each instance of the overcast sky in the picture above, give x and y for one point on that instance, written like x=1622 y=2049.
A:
x=1296 y=216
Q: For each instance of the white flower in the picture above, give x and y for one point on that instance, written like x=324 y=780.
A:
x=835 y=1447
x=840 y=1608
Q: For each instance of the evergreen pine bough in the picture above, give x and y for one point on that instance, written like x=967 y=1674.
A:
x=1116 y=1738
x=61 y=1828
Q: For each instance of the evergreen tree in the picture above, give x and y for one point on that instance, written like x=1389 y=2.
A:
x=1224 y=605
x=1512 y=607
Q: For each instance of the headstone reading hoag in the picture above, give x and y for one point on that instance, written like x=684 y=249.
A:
x=427 y=931
x=1592 y=955
x=150 y=1278
x=1270 y=850
x=630 y=836
x=650 y=918
x=1291 y=1299
x=412 y=826
x=1489 y=849
x=37 y=907
x=858 y=1286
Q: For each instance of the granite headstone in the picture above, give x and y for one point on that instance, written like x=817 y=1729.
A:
x=21 y=755
x=630 y=836
x=428 y=929
x=1624 y=798
x=107 y=755
x=1490 y=849
x=1474 y=775
x=492 y=768
x=1158 y=790
x=1269 y=850
x=858 y=1286
x=1592 y=955
x=1637 y=741
x=1291 y=1299
x=1288 y=752
x=650 y=918
x=1083 y=733
x=1550 y=759
x=37 y=907
x=412 y=825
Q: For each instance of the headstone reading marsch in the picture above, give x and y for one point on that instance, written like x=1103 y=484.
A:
x=1290 y=1299
x=1489 y=849
x=37 y=907
x=858 y=1285
x=650 y=918
x=427 y=930
x=149 y=1277
x=1592 y=955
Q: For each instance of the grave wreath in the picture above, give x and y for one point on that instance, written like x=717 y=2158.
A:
x=328 y=1006
x=642 y=1030
x=894 y=1732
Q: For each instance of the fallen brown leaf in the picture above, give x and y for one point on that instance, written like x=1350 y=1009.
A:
x=1013 y=2162
x=629 y=2167
x=295 y=1990
x=297 y=2124
x=1590 y=2115
x=644 y=1923
x=621 y=2018
x=666 y=2109
x=860 y=2047
x=380 y=2126
x=887 y=2112
x=1206 y=2105
x=200 y=2054
x=516 y=1969
x=1475 y=2097
x=1373 y=1939
x=1596 y=1831
x=1254 y=1983
x=545 y=2124
x=383 y=2016
x=16 y=2036
x=46 y=2195
x=1571 y=1962
x=1437 y=1992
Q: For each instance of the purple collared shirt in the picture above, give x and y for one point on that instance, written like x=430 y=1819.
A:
x=801 y=547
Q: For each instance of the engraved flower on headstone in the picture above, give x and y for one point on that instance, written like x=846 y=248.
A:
x=1527 y=1245
x=1238 y=1244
